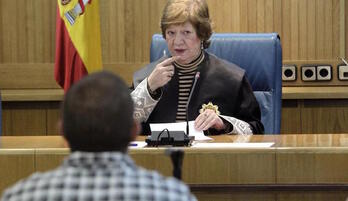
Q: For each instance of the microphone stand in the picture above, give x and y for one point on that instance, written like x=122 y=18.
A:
x=177 y=157
x=188 y=102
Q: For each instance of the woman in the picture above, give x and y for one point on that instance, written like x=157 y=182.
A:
x=222 y=101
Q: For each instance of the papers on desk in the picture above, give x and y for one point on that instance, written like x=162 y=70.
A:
x=199 y=137
x=137 y=144
x=181 y=126
x=234 y=145
x=142 y=144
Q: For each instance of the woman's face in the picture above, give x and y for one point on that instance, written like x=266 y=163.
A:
x=183 y=41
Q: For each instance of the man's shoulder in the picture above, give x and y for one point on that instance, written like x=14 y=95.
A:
x=24 y=189
x=127 y=180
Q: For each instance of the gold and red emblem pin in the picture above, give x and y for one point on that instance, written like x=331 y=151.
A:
x=210 y=106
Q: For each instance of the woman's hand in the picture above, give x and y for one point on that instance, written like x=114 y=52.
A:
x=209 y=119
x=162 y=74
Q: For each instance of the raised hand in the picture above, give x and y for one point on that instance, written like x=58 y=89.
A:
x=162 y=74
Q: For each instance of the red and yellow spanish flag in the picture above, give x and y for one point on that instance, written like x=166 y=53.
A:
x=78 y=46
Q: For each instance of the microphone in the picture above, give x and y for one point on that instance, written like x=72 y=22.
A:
x=188 y=102
x=175 y=138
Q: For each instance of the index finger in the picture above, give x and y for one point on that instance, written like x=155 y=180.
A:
x=169 y=61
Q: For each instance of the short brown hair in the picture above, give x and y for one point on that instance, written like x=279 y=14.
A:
x=97 y=114
x=194 y=11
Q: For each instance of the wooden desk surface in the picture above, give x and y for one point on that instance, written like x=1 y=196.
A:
x=293 y=141
x=295 y=162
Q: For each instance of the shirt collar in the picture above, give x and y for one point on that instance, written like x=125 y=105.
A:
x=93 y=160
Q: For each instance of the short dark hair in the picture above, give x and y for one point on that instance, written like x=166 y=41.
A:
x=194 y=11
x=98 y=114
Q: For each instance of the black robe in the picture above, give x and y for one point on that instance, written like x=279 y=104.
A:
x=220 y=82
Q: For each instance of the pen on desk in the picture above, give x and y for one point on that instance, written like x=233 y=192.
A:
x=132 y=144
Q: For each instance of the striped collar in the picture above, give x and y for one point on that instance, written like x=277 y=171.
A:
x=191 y=66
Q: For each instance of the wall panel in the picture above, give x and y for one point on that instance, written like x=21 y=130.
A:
x=269 y=12
x=345 y=37
x=303 y=29
x=15 y=166
x=336 y=28
x=29 y=118
x=291 y=117
x=260 y=16
x=320 y=29
x=53 y=116
x=324 y=116
x=311 y=31
x=311 y=24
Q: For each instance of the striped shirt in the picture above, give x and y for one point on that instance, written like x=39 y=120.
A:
x=186 y=74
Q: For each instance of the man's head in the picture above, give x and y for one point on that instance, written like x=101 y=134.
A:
x=98 y=114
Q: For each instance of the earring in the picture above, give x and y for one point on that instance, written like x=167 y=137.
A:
x=202 y=47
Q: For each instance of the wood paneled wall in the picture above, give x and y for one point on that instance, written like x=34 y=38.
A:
x=310 y=30
x=314 y=116
x=30 y=118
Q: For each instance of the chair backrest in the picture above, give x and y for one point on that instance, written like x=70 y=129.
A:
x=260 y=54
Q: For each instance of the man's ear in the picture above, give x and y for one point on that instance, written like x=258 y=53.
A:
x=135 y=130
